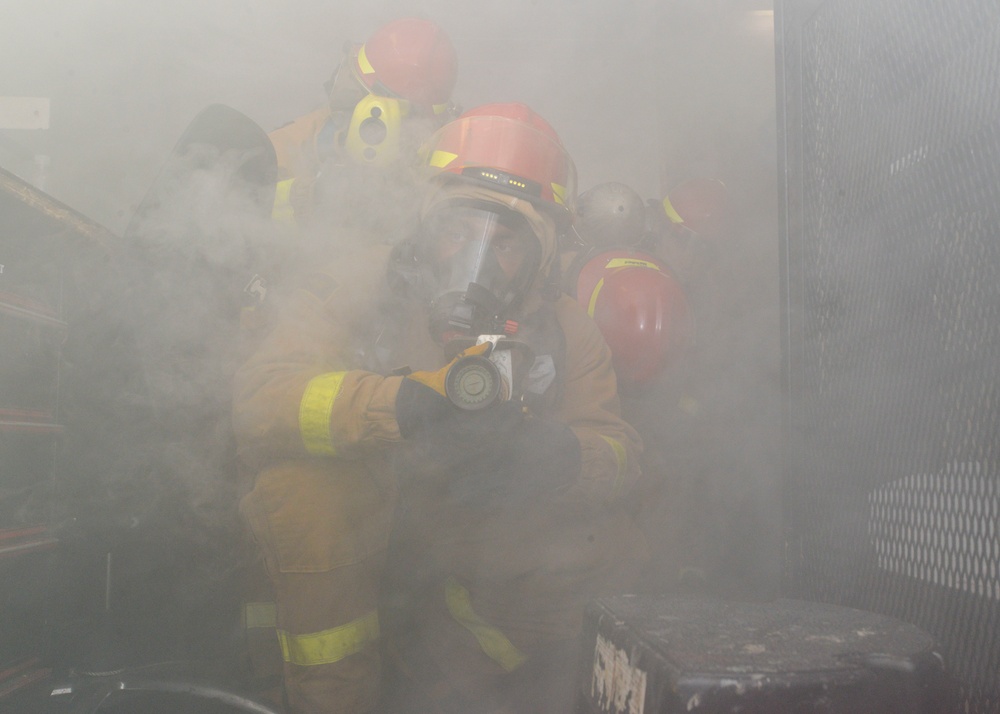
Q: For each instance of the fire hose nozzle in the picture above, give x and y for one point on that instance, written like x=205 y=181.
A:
x=497 y=375
x=473 y=383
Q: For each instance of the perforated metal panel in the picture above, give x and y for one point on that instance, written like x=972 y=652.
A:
x=890 y=124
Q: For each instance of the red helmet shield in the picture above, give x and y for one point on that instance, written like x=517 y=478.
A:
x=640 y=309
x=700 y=204
x=411 y=58
x=511 y=148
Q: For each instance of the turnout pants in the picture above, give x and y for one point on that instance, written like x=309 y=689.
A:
x=323 y=534
x=497 y=591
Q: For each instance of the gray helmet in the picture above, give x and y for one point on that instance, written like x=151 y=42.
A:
x=610 y=215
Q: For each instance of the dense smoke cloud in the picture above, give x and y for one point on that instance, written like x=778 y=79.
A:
x=624 y=83
x=641 y=92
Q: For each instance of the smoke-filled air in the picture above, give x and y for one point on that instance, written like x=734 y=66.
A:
x=366 y=344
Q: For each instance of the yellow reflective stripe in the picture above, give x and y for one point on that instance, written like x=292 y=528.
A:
x=493 y=642
x=672 y=214
x=331 y=645
x=593 y=297
x=440 y=108
x=282 y=209
x=259 y=615
x=440 y=159
x=363 y=63
x=559 y=193
x=621 y=456
x=314 y=412
x=630 y=263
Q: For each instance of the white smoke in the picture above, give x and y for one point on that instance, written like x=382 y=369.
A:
x=642 y=92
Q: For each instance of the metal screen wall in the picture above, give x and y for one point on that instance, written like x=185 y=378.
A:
x=889 y=124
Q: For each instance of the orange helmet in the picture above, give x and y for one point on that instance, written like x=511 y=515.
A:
x=509 y=148
x=503 y=171
x=700 y=204
x=411 y=59
x=610 y=214
x=640 y=309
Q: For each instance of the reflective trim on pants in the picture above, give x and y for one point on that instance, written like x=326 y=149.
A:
x=491 y=640
x=330 y=645
x=621 y=457
x=314 y=412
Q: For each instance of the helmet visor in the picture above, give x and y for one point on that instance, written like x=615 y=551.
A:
x=490 y=247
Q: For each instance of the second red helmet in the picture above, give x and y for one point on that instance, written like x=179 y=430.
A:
x=640 y=309
x=413 y=59
x=700 y=204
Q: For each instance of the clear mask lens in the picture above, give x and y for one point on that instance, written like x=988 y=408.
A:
x=482 y=262
x=495 y=250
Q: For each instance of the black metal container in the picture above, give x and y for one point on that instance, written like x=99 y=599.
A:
x=646 y=655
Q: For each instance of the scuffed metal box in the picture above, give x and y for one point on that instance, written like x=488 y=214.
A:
x=646 y=655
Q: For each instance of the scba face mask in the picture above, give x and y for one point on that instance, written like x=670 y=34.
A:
x=480 y=260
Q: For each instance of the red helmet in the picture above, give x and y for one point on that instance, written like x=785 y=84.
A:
x=411 y=59
x=640 y=309
x=511 y=149
x=700 y=204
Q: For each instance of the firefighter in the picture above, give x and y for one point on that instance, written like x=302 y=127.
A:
x=689 y=222
x=647 y=317
x=350 y=162
x=512 y=513
x=385 y=97
x=613 y=271
x=688 y=229
x=700 y=205
x=621 y=270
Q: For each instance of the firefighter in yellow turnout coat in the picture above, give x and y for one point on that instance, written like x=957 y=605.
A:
x=385 y=97
x=507 y=519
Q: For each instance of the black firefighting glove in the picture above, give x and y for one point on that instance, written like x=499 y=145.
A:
x=424 y=413
x=540 y=456
x=546 y=455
